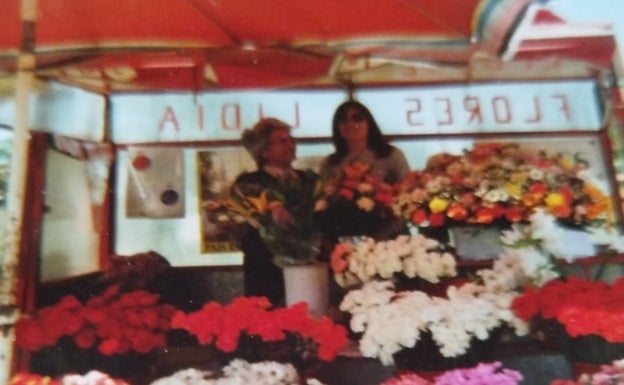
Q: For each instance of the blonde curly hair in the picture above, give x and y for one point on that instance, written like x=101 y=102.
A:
x=255 y=139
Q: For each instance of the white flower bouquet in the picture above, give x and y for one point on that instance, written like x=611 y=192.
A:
x=540 y=242
x=239 y=372
x=412 y=256
x=390 y=321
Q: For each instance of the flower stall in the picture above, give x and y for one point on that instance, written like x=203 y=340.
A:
x=122 y=261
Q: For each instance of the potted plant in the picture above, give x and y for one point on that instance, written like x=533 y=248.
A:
x=113 y=332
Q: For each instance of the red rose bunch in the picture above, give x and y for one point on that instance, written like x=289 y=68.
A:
x=226 y=325
x=582 y=306
x=115 y=322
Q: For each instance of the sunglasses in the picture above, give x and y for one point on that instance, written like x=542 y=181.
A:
x=356 y=117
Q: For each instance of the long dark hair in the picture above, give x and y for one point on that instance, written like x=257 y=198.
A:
x=375 y=141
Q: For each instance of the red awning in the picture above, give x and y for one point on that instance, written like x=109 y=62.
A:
x=144 y=45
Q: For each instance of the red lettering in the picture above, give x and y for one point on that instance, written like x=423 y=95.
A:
x=297 y=121
x=231 y=111
x=565 y=107
x=502 y=111
x=168 y=117
x=473 y=107
x=410 y=115
x=537 y=116
x=446 y=111
x=200 y=117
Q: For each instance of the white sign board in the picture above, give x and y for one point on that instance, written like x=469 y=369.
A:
x=465 y=108
x=62 y=110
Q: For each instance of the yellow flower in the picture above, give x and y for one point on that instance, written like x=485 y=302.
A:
x=438 y=205
x=514 y=190
x=553 y=200
x=566 y=162
x=518 y=177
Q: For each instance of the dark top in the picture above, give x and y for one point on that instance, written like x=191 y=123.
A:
x=262 y=277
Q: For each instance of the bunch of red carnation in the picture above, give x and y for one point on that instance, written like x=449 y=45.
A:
x=226 y=326
x=114 y=322
x=582 y=306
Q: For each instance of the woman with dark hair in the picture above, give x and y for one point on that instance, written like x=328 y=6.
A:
x=360 y=149
x=357 y=138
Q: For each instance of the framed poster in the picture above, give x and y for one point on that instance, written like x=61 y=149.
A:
x=217 y=169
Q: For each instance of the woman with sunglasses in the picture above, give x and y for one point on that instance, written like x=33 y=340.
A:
x=358 y=139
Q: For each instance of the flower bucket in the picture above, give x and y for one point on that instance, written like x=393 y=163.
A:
x=425 y=356
x=66 y=357
x=308 y=283
x=588 y=353
x=476 y=242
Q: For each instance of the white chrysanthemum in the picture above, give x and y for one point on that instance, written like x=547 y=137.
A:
x=536 y=174
x=496 y=195
x=410 y=255
x=92 y=377
x=186 y=377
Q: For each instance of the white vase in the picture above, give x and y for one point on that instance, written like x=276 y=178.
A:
x=308 y=283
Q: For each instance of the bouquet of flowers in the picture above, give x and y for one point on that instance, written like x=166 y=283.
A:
x=483 y=374
x=356 y=204
x=114 y=322
x=541 y=241
x=391 y=321
x=501 y=183
x=411 y=256
x=582 y=306
x=296 y=241
x=249 y=328
x=240 y=372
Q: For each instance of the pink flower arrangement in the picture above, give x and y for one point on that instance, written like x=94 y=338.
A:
x=582 y=306
x=226 y=326
x=483 y=374
x=115 y=322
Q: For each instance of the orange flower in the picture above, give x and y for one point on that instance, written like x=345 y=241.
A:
x=338 y=258
x=356 y=170
x=535 y=194
x=485 y=215
x=457 y=212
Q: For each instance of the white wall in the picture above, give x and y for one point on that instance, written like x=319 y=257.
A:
x=69 y=245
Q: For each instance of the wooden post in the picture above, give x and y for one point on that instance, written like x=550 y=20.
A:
x=21 y=287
